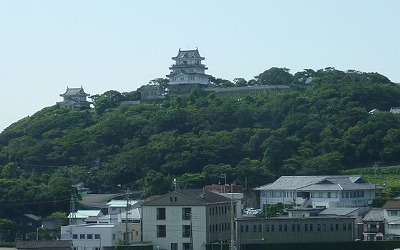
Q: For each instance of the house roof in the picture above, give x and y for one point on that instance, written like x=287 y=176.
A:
x=339 y=211
x=83 y=214
x=310 y=183
x=193 y=197
x=188 y=54
x=33 y=217
x=392 y=204
x=51 y=244
x=74 y=92
x=120 y=203
x=375 y=214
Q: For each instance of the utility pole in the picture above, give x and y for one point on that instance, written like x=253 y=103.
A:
x=127 y=192
x=191 y=232
x=232 y=221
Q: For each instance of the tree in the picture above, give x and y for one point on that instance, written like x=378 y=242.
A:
x=240 y=82
x=108 y=100
x=156 y=183
x=274 y=76
x=161 y=82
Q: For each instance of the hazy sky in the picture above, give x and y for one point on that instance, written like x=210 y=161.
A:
x=46 y=46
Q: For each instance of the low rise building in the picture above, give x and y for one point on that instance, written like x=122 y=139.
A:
x=275 y=230
x=374 y=225
x=319 y=191
x=80 y=216
x=187 y=219
x=391 y=213
x=100 y=236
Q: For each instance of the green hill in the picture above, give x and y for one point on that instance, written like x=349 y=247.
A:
x=309 y=129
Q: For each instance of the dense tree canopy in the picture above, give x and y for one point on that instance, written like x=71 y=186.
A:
x=319 y=127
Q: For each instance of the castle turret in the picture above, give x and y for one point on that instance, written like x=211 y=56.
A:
x=188 y=72
x=74 y=98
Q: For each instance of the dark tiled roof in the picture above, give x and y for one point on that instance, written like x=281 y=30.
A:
x=187 y=197
x=74 y=92
x=392 y=204
x=53 y=244
x=374 y=215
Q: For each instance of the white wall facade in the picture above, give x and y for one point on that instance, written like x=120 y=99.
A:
x=97 y=236
x=319 y=198
x=174 y=227
x=392 y=223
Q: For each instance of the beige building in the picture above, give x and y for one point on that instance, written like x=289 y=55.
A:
x=182 y=218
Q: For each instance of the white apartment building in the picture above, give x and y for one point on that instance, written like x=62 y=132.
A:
x=319 y=191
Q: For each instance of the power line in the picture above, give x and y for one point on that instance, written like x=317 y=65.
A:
x=30 y=203
x=58 y=166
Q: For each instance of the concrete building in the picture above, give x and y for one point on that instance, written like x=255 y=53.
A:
x=391 y=213
x=319 y=191
x=100 y=236
x=182 y=218
x=188 y=72
x=293 y=230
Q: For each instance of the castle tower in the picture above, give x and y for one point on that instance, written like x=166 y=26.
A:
x=188 y=72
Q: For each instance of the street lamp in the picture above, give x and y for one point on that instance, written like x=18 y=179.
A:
x=37 y=232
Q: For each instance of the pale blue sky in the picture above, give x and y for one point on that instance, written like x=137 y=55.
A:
x=46 y=46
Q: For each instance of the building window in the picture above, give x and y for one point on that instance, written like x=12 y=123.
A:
x=324 y=227
x=311 y=227
x=186 y=213
x=97 y=236
x=280 y=228
x=161 y=213
x=345 y=194
x=298 y=227
x=174 y=246
x=89 y=236
x=293 y=227
x=267 y=228
x=319 y=227
x=247 y=228
x=349 y=226
x=306 y=227
x=272 y=228
x=161 y=231
x=393 y=213
x=344 y=226
x=241 y=228
x=186 y=246
x=186 y=231
x=82 y=236
x=260 y=228
x=74 y=236
x=337 y=227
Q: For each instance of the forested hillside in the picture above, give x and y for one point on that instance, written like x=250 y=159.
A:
x=309 y=129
